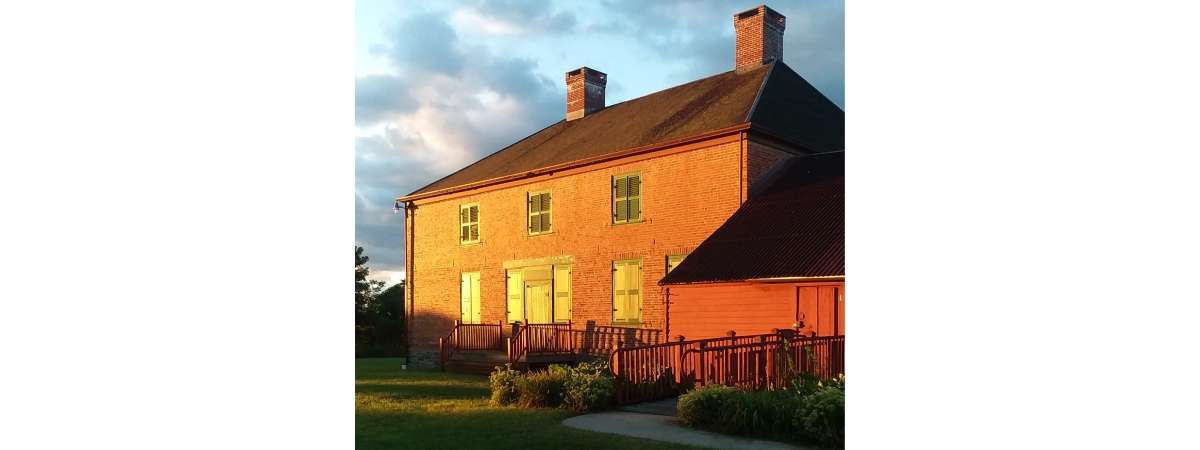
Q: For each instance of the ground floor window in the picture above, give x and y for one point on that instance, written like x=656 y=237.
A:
x=627 y=290
x=470 y=297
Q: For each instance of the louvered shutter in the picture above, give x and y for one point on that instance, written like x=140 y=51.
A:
x=474 y=223
x=620 y=196
x=545 y=211
x=535 y=219
x=635 y=197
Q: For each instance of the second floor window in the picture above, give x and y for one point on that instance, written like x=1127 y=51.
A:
x=468 y=223
x=627 y=198
x=539 y=212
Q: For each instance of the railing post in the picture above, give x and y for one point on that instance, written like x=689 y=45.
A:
x=442 y=354
x=703 y=364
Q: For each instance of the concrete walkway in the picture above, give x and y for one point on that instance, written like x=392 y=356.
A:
x=669 y=429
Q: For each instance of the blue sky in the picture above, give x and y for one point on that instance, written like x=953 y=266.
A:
x=441 y=84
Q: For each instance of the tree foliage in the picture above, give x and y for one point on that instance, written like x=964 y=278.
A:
x=378 y=312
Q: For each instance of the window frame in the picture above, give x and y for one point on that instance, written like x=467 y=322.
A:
x=478 y=227
x=612 y=200
x=641 y=290
x=529 y=214
x=667 y=259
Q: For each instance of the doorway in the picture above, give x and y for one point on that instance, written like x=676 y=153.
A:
x=538 y=307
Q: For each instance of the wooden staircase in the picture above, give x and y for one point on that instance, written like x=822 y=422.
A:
x=475 y=362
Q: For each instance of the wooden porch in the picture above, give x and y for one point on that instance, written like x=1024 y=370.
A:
x=478 y=348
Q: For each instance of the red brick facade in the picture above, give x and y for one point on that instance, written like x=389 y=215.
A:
x=687 y=192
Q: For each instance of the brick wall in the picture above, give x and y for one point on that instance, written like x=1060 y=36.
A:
x=685 y=196
x=758 y=37
x=760 y=158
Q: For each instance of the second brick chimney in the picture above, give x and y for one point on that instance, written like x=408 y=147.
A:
x=759 y=37
x=585 y=92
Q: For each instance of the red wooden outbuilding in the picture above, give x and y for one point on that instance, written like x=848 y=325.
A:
x=778 y=262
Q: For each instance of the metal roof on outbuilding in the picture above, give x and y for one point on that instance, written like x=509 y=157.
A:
x=794 y=228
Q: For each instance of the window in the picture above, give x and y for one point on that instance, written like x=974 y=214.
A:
x=627 y=198
x=627 y=290
x=468 y=223
x=539 y=212
x=673 y=261
x=470 y=297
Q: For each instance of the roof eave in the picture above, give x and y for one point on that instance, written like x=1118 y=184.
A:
x=826 y=278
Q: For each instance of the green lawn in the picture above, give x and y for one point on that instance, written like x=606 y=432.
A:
x=425 y=409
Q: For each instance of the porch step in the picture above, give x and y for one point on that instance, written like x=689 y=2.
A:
x=478 y=363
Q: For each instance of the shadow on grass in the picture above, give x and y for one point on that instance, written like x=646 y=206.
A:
x=425 y=409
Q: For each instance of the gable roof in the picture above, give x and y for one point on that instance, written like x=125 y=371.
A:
x=772 y=96
x=793 y=228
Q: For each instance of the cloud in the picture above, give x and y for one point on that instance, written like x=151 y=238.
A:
x=513 y=17
x=425 y=42
x=376 y=97
x=444 y=107
x=465 y=82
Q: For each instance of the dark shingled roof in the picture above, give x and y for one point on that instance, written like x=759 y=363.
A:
x=793 y=228
x=788 y=107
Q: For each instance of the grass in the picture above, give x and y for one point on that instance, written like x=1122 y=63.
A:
x=427 y=409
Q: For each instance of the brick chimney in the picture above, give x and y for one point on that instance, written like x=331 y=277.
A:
x=585 y=92
x=759 y=37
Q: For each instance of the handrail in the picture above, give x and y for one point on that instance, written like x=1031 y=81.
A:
x=766 y=361
x=470 y=336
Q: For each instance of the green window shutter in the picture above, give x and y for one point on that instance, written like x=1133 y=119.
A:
x=620 y=199
x=466 y=298
x=635 y=197
x=545 y=211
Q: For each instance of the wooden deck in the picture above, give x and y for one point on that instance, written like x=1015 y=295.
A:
x=477 y=348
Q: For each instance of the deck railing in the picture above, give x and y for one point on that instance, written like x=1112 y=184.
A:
x=564 y=339
x=757 y=362
x=471 y=336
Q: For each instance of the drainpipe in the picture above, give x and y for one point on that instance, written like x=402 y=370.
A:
x=411 y=309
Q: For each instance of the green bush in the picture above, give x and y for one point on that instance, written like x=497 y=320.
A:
x=822 y=416
x=588 y=387
x=811 y=410
x=542 y=387
x=704 y=407
x=504 y=383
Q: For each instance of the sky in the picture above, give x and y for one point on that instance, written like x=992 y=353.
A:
x=439 y=85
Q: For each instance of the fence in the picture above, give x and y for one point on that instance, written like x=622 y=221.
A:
x=471 y=336
x=562 y=339
x=767 y=361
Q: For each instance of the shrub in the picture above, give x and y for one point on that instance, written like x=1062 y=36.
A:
x=504 y=383
x=703 y=407
x=588 y=387
x=542 y=387
x=811 y=410
x=822 y=416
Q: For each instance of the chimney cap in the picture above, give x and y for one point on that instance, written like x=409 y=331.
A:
x=589 y=74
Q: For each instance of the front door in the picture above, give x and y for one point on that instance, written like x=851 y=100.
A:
x=538 y=308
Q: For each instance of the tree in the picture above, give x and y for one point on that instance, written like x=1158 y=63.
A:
x=365 y=290
x=378 y=313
